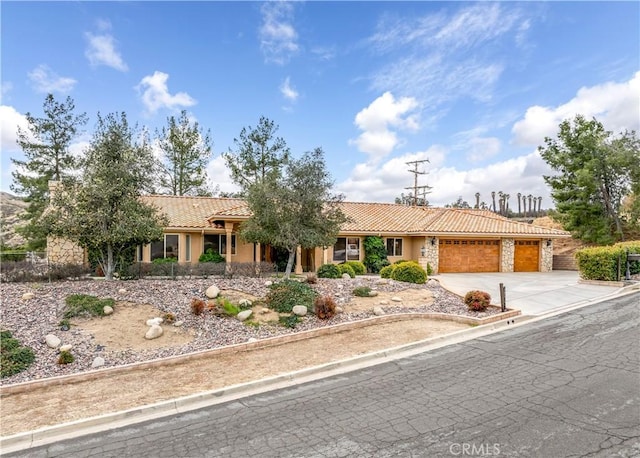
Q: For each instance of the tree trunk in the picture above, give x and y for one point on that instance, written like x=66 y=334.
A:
x=108 y=273
x=292 y=256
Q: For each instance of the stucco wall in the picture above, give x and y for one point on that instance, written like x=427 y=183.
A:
x=507 y=254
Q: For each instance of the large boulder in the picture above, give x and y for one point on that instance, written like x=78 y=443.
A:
x=212 y=292
x=299 y=310
x=244 y=315
x=107 y=310
x=154 y=332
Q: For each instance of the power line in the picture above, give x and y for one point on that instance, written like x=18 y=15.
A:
x=424 y=189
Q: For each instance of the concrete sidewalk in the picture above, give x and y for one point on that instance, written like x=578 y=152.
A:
x=534 y=293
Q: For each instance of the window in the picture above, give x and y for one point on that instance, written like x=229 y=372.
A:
x=187 y=248
x=346 y=249
x=139 y=253
x=218 y=243
x=394 y=247
x=167 y=248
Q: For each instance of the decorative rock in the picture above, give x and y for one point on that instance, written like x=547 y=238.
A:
x=373 y=293
x=153 y=321
x=154 y=332
x=66 y=347
x=122 y=291
x=52 y=341
x=396 y=299
x=383 y=281
x=340 y=286
x=177 y=324
x=299 y=310
x=27 y=296
x=384 y=302
x=98 y=361
x=265 y=310
x=346 y=276
x=378 y=311
x=212 y=292
x=268 y=283
x=244 y=303
x=339 y=310
x=244 y=315
x=433 y=282
x=107 y=310
x=252 y=339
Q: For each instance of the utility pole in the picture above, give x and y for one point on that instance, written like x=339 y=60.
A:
x=416 y=188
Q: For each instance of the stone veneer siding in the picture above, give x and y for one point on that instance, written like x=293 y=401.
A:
x=546 y=255
x=62 y=251
x=507 y=253
x=431 y=255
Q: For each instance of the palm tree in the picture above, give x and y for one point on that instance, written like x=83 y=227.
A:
x=501 y=202
x=519 y=208
x=477 y=200
x=530 y=197
x=539 y=203
x=493 y=197
x=506 y=204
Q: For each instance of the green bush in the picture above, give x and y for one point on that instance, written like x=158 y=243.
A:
x=400 y=261
x=429 y=270
x=409 y=272
x=362 y=291
x=289 y=321
x=602 y=263
x=329 y=271
x=284 y=295
x=357 y=266
x=386 y=271
x=164 y=260
x=85 y=305
x=477 y=300
x=346 y=269
x=375 y=254
x=211 y=256
x=65 y=357
x=14 y=358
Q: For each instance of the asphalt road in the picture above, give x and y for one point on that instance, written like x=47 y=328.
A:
x=567 y=386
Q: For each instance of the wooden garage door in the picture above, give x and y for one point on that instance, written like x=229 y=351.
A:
x=526 y=256
x=469 y=256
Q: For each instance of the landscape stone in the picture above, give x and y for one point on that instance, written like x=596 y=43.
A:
x=340 y=286
x=396 y=299
x=66 y=347
x=339 y=310
x=265 y=310
x=154 y=332
x=383 y=281
x=122 y=291
x=346 y=276
x=384 y=302
x=244 y=315
x=52 y=341
x=107 y=310
x=177 y=324
x=378 y=311
x=373 y=293
x=432 y=282
x=212 y=292
x=244 y=303
x=252 y=339
x=299 y=310
x=98 y=361
x=27 y=296
x=268 y=283
x=156 y=320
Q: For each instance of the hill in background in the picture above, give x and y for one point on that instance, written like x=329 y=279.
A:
x=10 y=209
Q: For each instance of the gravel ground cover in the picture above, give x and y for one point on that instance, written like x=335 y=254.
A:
x=31 y=320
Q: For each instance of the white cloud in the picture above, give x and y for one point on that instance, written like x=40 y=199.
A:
x=101 y=49
x=615 y=105
x=278 y=36
x=219 y=175
x=377 y=139
x=10 y=120
x=288 y=91
x=45 y=80
x=5 y=88
x=477 y=147
x=155 y=94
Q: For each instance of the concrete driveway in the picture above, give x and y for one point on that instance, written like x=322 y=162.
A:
x=534 y=293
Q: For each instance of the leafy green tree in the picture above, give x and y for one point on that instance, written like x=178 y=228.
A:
x=460 y=203
x=258 y=155
x=45 y=144
x=407 y=199
x=295 y=208
x=103 y=212
x=186 y=152
x=595 y=171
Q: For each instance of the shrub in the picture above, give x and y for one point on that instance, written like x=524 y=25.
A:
x=284 y=295
x=400 y=261
x=228 y=307
x=328 y=271
x=409 y=272
x=211 y=256
x=386 y=271
x=65 y=357
x=14 y=357
x=607 y=263
x=357 y=266
x=85 y=305
x=477 y=300
x=346 y=269
x=289 y=321
x=362 y=291
x=375 y=254
x=312 y=278
x=197 y=306
x=164 y=260
x=325 y=307
x=429 y=270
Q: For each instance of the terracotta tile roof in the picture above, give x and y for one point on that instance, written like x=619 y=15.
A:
x=383 y=218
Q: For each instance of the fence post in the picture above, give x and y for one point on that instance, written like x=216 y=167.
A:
x=503 y=297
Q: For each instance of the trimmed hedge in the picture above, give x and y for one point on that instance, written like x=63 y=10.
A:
x=410 y=272
x=346 y=269
x=601 y=263
x=357 y=266
x=329 y=271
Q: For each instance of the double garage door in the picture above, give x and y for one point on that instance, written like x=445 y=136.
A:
x=469 y=255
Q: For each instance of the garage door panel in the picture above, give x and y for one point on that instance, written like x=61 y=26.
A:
x=469 y=256
x=526 y=256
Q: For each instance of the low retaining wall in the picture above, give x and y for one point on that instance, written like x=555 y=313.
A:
x=249 y=346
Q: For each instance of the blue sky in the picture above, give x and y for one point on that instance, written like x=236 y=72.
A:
x=472 y=86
